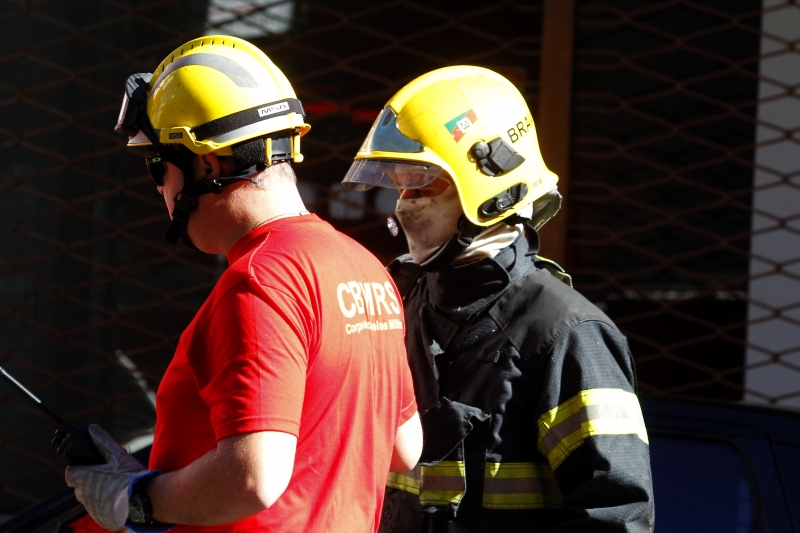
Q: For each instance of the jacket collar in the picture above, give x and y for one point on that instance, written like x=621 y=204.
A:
x=463 y=291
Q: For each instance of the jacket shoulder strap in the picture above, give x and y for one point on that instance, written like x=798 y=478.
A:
x=556 y=270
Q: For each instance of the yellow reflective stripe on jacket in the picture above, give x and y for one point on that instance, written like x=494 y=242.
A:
x=590 y=412
x=505 y=485
x=520 y=486
x=440 y=484
x=407 y=481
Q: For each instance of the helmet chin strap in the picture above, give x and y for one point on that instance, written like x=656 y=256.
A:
x=186 y=202
x=251 y=156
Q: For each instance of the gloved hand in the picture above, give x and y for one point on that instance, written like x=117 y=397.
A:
x=103 y=489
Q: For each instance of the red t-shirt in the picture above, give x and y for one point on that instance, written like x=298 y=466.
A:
x=302 y=334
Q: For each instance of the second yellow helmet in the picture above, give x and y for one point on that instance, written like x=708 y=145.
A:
x=469 y=121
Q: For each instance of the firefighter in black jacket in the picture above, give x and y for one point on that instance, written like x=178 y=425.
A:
x=526 y=389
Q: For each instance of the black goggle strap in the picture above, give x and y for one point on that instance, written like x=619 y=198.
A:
x=247 y=117
x=186 y=202
x=148 y=130
x=448 y=252
x=133 y=114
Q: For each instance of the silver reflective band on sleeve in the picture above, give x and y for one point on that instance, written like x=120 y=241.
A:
x=520 y=486
x=239 y=133
x=440 y=484
x=505 y=485
x=589 y=413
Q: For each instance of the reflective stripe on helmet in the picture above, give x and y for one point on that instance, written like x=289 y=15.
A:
x=214 y=92
x=237 y=73
x=589 y=413
x=505 y=485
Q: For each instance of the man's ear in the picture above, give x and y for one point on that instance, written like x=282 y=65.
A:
x=206 y=167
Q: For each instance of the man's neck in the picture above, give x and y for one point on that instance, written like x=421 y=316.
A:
x=241 y=208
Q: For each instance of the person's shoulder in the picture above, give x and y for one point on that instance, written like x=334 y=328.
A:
x=404 y=272
x=316 y=249
x=556 y=299
x=234 y=278
x=311 y=234
x=539 y=308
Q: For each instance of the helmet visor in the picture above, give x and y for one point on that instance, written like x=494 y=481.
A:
x=385 y=137
x=365 y=174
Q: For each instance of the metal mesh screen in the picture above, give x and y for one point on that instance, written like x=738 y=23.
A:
x=92 y=301
x=684 y=199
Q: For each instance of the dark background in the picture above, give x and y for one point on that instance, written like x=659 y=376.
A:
x=658 y=192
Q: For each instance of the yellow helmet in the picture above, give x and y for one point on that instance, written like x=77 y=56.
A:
x=210 y=94
x=215 y=94
x=470 y=122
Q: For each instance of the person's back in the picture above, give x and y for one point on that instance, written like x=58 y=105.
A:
x=326 y=316
x=289 y=397
x=354 y=381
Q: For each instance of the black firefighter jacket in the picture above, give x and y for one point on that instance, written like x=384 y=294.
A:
x=527 y=396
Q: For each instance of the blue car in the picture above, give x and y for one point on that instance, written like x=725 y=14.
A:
x=717 y=468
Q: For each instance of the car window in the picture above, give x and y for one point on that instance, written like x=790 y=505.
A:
x=700 y=486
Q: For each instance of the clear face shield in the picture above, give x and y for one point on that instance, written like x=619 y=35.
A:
x=365 y=174
x=384 y=136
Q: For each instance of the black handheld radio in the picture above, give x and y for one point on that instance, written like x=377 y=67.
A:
x=72 y=443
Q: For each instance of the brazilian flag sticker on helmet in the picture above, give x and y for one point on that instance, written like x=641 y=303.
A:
x=461 y=124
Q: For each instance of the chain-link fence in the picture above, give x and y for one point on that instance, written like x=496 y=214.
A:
x=92 y=300
x=685 y=189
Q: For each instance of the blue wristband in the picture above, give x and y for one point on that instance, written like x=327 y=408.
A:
x=140 y=506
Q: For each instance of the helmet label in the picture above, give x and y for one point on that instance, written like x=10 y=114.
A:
x=272 y=109
x=461 y=124
x=176 y=135
x=519 y=129
x=367 y=299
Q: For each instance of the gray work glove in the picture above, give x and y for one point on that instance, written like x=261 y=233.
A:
x=104 y=489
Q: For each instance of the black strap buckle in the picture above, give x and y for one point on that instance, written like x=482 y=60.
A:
x=214 y=186
x=503 y=202
x=496 y=157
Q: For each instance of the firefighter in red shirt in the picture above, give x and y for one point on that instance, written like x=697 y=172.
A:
x=289 y=397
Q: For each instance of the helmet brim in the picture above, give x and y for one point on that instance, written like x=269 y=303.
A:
x=365 y=174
